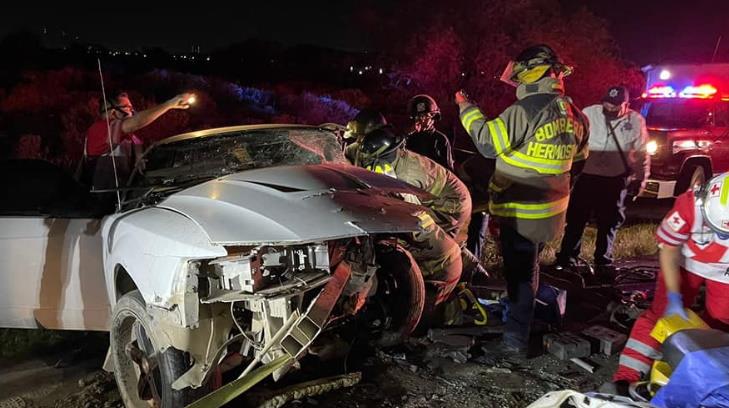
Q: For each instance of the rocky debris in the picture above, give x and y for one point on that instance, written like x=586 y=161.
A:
x=16 y=402
x=457 y=354
x=304 y=391
x=95 y=390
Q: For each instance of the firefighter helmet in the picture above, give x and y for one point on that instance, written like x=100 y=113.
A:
x=364 y=122
x=420 y=104
x=713 y=199
x=532 y=64
x=380 y=145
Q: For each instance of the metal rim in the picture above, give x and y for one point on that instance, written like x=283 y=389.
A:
x=143 y=370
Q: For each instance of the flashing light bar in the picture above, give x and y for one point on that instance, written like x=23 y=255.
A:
x=705 y=91
x=660 y=92
x=701 y=92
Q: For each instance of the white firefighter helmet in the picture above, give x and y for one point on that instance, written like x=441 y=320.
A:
x=713 y=199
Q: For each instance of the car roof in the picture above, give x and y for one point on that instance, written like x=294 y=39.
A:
x=199 y=134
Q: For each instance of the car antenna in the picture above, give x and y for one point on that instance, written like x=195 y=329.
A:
x=108 y=134
x=716 y=49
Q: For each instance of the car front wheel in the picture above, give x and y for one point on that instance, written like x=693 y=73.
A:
x=143 y=373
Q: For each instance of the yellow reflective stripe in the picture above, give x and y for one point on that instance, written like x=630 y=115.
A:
x=387 y=169
x=504 y=132
x=543 y=166
x=494 y=187
x=468 y=114
x=502 y=145
x=530 y=163
x=426 y=220
x=468 y=119
x=529 y=211
x=499 y=136
x=724 y=198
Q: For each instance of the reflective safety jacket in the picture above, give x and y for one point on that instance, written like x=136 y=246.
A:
x=451 y=204
x=534 y=142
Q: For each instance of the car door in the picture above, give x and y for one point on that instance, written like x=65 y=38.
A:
x=51 y=272
x=719 y=148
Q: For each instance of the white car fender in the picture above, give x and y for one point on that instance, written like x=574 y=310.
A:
x=153 y=245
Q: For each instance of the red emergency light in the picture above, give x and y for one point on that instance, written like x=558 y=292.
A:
x=700 y=92
x=660 y=92
x=704 y=91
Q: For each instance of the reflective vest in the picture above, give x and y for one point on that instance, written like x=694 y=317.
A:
x=451 y=202
x=534 y=142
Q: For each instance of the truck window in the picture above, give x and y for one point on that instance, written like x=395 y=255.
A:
x=678 y=113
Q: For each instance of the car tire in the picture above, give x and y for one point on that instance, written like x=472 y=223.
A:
x=132 y=325
x=408 y=302
x=691 y=177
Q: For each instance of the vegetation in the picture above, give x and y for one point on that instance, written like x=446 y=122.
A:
x=632 y=241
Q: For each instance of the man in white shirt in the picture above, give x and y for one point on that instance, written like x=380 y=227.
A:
x=617 y=159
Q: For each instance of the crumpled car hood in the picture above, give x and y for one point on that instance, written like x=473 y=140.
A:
x=296 y=204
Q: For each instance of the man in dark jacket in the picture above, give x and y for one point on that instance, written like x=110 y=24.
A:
x=424 y=138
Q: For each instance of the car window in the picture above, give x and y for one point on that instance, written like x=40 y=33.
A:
x=39 y=188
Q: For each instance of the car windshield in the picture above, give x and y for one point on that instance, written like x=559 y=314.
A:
x=677 y=113
x=201 y=158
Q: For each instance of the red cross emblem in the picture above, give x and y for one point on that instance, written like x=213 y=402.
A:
x=714 y=189
x=675 y=221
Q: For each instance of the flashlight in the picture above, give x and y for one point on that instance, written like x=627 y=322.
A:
x=191 y=100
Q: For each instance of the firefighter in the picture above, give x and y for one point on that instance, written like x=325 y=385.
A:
x=534 y=142
x=694 y=251
x=424 y=138
x=364 y=122
x=437 y=248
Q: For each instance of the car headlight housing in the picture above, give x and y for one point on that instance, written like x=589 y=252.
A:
x=690 y=144
x=651 y=147
x=252 y=270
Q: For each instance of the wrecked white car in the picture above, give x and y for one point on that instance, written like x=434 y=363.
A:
x=241 y=244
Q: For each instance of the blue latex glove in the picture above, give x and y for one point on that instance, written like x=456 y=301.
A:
x=675 y=305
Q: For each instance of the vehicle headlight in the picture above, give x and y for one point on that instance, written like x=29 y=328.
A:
x=681 y=145
x=651 y=147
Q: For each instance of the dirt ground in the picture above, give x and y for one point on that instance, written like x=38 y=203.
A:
x=480 y=382
x=419 y=375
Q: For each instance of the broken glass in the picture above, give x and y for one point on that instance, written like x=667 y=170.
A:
x=212 y=156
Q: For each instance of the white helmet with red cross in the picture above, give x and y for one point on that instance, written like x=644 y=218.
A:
x=714 y=202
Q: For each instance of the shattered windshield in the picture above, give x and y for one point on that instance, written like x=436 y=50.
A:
x=217 y=155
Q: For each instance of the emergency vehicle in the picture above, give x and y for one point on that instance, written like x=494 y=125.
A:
x=686 y=107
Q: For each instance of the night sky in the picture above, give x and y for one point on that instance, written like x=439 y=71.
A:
x=646 y=31
x=209 y=24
